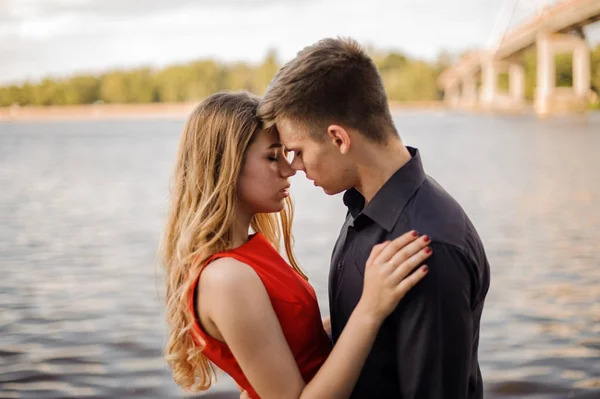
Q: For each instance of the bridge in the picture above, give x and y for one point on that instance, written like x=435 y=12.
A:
x=472 y=83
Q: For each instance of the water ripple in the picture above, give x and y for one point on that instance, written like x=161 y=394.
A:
x=82 y=206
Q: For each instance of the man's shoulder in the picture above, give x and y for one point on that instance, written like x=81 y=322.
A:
x=433 y=211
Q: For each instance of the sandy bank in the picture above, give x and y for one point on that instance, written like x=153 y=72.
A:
x=135 y=111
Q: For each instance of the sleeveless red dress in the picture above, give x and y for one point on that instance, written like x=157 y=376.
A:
x=294 y=302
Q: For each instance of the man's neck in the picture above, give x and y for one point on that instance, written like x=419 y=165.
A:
x=377 y=164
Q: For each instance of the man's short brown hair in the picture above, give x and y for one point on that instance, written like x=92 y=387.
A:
x=333 y=81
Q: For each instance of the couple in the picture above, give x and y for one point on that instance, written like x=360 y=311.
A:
x=400 y=329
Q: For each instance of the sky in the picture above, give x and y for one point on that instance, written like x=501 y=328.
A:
x=58 y=38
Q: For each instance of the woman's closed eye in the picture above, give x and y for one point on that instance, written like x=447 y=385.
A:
x=274 y=157
x=282 y=154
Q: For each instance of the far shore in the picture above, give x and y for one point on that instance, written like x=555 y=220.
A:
x=138 y=111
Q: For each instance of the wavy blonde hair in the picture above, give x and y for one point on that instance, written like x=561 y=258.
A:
x=209 y=160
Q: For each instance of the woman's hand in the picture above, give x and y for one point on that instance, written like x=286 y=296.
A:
x=388 y=273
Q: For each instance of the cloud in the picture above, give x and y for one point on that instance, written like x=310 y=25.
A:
x=121 y=8
x=65 y=41
x=60 y=37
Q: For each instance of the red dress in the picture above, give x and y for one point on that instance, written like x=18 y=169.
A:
x=294 y=302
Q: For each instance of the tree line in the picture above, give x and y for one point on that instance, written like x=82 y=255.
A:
x=405 y=79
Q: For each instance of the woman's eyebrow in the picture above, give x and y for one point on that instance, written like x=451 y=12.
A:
x=275 y=145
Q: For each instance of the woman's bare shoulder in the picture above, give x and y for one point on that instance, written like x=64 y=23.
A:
x=228 y=274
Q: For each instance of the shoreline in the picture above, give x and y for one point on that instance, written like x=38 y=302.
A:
x=139 y=111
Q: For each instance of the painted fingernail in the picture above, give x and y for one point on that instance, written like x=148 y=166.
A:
x=427 y=250
x=415 y=233
x=424 y=269
x=426 y=238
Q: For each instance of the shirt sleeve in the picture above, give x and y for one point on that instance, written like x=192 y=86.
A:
x=434 y=340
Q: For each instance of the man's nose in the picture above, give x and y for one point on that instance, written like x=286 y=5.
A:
x=287 y=170
x=297 y=164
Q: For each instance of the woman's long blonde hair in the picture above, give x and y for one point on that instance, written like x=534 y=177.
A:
x=201 y=214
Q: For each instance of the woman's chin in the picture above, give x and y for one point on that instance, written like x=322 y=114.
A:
x=273 y=208
x=279 y=207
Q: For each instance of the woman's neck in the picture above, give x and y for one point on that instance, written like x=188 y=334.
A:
x=239 y=230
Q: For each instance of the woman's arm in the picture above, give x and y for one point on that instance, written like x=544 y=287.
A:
x=235 y=300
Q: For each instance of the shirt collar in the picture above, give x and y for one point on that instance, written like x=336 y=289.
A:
x=389 y=202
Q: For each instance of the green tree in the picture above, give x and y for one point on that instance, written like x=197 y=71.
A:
x=203 y=78
x=406 y=79
x=240 y=76
x=266 y=72
x=416 y=81
x=140 y=86
x=392 y=62
x=113 y=87
x=171 y=84
x=564 y=70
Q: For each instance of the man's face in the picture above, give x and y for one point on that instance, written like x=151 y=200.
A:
x=321 y=161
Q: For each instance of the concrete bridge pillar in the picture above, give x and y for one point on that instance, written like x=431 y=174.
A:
x=489 y=83
x=452 y=95
x=491 y=96
x=581 y=69
x=468 y=98
x=550 y=99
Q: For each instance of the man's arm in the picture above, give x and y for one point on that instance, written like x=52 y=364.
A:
x=435 y=329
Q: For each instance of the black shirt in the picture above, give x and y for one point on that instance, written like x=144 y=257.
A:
x=427 y=348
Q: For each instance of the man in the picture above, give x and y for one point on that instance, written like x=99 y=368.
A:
x=331 y=110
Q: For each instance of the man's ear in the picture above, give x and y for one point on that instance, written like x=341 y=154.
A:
x=340 y=138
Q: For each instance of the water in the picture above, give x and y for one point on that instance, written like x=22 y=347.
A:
x=82 y=206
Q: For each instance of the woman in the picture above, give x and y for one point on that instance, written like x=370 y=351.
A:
x=232 y=300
